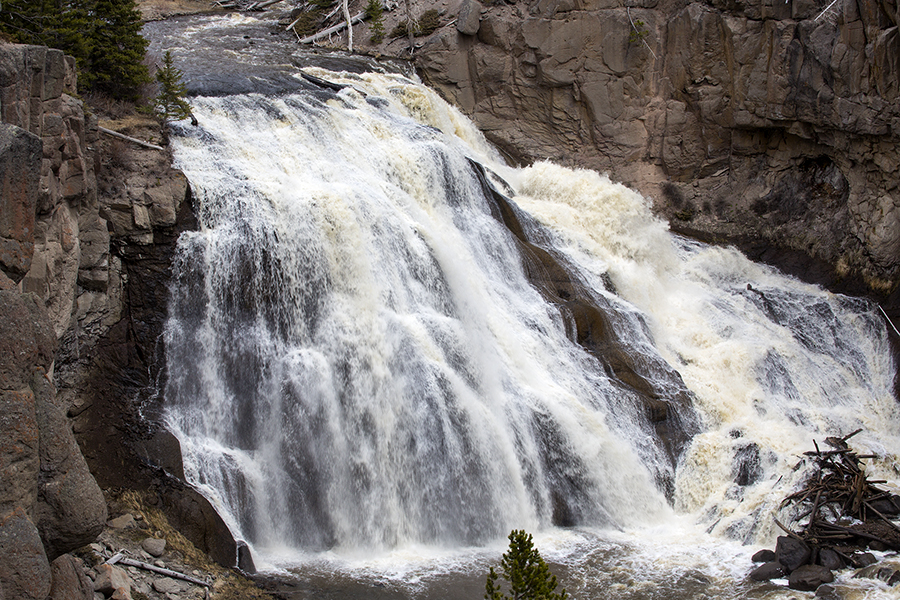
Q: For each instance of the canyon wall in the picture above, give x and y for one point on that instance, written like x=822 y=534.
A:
x=83 y=274
x=770 y=125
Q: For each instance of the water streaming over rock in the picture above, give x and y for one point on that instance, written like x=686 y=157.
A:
x=375 y=344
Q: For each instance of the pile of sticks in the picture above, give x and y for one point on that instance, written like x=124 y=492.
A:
x=839 y=492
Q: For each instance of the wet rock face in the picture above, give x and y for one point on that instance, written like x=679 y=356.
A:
x=751 y=123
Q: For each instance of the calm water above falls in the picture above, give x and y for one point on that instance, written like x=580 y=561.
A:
x=368 y=385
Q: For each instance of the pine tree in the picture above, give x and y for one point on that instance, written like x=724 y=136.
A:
x=170 y=104
x=104 y=36
x=526 y=572
x=375 y=11
x=118 y=50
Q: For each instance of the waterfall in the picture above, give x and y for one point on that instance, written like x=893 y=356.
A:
x=362 y=357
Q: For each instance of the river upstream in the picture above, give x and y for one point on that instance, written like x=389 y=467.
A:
x=370 y=387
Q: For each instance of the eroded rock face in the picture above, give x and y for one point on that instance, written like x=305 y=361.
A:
x=49 y=503
x=67 y=258
x=752 y=123
x=20 y=164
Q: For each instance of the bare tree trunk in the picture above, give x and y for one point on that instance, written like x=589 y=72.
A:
x=410 y=27
x=326 y=32
x=349 y=26
x=128 y=138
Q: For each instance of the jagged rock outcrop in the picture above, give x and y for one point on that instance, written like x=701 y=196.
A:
x=83 y=284
x=766 y=124
x=49 y=502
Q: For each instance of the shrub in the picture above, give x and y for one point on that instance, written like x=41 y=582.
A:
x=428 y=23
x=374 y=11
x=526 y=572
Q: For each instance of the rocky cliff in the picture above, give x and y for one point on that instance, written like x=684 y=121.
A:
x=83 y=271
x=770 y=125
x=49 y=502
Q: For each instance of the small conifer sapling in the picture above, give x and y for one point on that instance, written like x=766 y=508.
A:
x=170 y=104
x=527 y=574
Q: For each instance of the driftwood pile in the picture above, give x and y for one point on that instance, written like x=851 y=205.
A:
x=839 y=514
x=838 y=492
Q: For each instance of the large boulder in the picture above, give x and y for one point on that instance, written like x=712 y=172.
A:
x=24 y=569
x=791 y=552
x=808 y=578
x=71 y=510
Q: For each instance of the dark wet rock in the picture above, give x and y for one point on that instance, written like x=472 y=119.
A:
x=862 y=559
x=767 y=571
x=763 y=556
x=245 y=558
x=809 y=577
x=827 y=592
x=652 y=382
x=886 y=506
x=791 y=553
x=830 y=559
x=746 y=467
x=885 y=573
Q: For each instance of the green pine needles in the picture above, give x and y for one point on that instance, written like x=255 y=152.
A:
x=526 y=572
x=169 y=104
x=375 y=11
x=104 y=36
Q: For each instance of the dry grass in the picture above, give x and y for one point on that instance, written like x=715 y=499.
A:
x=228 y=584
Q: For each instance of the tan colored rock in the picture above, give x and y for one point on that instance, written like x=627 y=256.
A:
x=68 y=581
x=110 y=578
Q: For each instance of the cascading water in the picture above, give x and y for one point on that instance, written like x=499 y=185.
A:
x=361 y=363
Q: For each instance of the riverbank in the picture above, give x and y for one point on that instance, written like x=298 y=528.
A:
x=156 y=10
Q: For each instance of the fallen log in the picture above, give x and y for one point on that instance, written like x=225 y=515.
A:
x=322 y=82
x=266 y=4
x=128 y=138
x=121 y=559
x=332 y=30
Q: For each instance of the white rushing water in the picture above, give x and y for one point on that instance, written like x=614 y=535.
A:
x=362 y=375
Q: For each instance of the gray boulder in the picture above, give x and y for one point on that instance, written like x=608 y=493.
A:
x=808 y=578
x=469 y=19
x=791 y=552
x=24 y=569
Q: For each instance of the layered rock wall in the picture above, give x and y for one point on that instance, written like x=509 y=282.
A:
x=772 y=125
x=83 y=284
x=49 y=502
